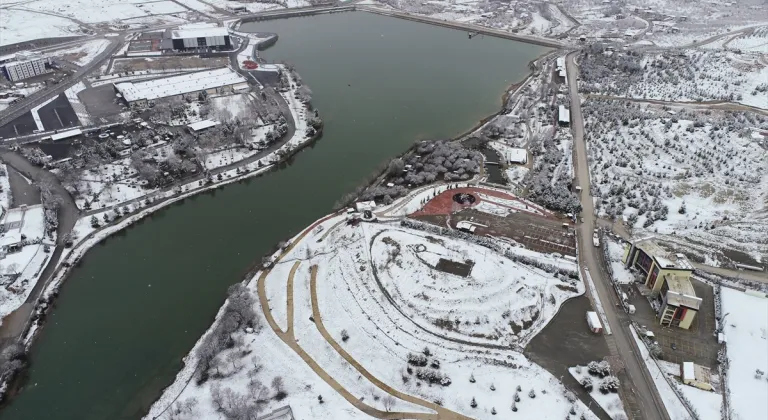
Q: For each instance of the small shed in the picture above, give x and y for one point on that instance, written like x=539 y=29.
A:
x=594 y=322
x=696 y=375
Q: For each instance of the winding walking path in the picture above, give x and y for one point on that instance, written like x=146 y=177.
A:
x=289 y=338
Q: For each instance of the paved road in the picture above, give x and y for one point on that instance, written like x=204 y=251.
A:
x=39 y=97
x=640 y=391
x=547 y=42
x=714 y=105
x=68 y=215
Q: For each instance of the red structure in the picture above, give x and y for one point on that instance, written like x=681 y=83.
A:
x=250 y=65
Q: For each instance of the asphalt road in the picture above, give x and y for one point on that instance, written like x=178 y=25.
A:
x=39 y=97
x=640 y=390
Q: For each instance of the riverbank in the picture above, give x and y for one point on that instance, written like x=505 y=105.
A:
x=173 y=392
x=202 y=246
x=29 y=319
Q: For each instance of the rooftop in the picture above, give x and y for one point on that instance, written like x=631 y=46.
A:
x=198 y=32
x=664 y=259
x=681 y=292
x=179 y=85
x=202 y=125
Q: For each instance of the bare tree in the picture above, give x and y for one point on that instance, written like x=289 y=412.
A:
x=389 y=402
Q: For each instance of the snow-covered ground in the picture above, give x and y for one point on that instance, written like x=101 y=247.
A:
x=609 y=402
x=706 y=404
x=93 y=11
x=110 y=184
x=621 y=274
x=20 y=270
x=77 y=106
x=379 y=340
x=84 y=53
x=691 y=75
x=15 y=26
x=5 y=190
x=693 y=175
x=499 y=302
x=746 y=329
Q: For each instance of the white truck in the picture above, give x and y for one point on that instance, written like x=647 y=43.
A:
x=595 y=239
x=594 y=322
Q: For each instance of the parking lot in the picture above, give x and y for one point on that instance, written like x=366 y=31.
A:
x=100 y=101
x=58 y=114
x=21 y=126
x=697 y=344
x=565 y=342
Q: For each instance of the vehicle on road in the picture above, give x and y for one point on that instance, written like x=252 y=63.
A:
x=595 y=239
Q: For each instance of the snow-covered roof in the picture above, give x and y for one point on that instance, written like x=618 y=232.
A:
x=688 y=374
x=202 y=125
x=199 y=32
x=179 y=85
x=10 y=238
x=593 y=319
x=517 y=155
x=66 y=134
x=563 y=114
x=664 y=259
x=365 y=205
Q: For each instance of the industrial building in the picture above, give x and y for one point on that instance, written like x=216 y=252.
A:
x=667 y=279
x=195 y=37
x=143 y=93
x=26 y=65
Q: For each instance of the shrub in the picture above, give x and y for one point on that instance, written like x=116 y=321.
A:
x=609 y=384
x=417 y=359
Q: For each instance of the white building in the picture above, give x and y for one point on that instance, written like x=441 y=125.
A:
x=222 y=80
x=563 y=116
x=26 y=65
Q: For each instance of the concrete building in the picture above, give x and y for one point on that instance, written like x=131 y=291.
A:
x=26 y=65
x=678 y=304
x=696 y=375
x=667 y=279
x=142 y=93
x=194 y=37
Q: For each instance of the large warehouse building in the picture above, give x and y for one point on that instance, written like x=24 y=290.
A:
x=215 y=37
x=223 y=80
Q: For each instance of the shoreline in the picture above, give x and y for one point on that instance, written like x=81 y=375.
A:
x=80 y=249
x=185 y=373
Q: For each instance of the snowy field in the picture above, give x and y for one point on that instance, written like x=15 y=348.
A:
x=610 y=402
x=688 y=174
x=755 y=42
x=692 y=75
x=109 y=184
x=344 y=302
x=499 y=302
x=20 y=270
x=621 y=274
x=746 y=328
x=93 y=11
x=82 y=54
x=15 y=24
x=5 y=190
